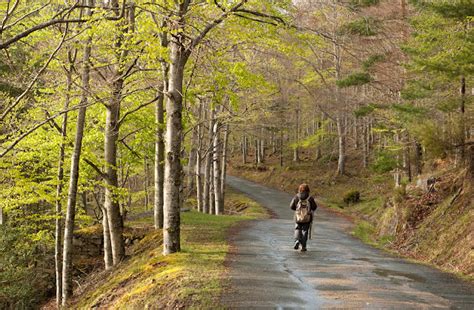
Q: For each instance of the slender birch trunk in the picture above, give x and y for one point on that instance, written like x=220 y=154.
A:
x=192 y=162
x=219 y=203
x=199 y=185
x=74 y=173
x=146 y=183
x=159 y=169
x=108 y=260
x=159 y=162
x=208 y=168
x=59 y=189
x=225 y=146
x=341 y=162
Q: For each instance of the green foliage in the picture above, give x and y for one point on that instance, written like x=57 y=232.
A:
x=354 y=79
x=371 y=61
x=431 y=136
x=351 y=197
x=364 y=26
x=416 y=89
x=460 y=9
x=364 y=110
x=384 y=161
x=25 y=270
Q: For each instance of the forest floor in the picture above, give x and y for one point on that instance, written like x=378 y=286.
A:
x=193 y=278
x=337 y=271
x=433 y=228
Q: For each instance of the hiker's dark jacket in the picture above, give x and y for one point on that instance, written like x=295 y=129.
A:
x=303 y=195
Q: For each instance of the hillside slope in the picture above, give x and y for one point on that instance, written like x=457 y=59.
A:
x=435 y=227
x=192 y=278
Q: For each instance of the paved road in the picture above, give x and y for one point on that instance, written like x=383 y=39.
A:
x=338 y=271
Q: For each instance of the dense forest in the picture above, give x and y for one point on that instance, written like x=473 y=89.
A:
x=110 y=109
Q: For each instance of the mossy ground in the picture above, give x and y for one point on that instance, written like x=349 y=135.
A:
x=192 y=278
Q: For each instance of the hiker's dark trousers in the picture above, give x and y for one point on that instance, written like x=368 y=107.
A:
x=301 y=233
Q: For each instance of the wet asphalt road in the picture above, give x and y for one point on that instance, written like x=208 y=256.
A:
x=337 y=272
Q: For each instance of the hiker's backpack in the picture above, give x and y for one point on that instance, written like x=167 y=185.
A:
x=303 y=212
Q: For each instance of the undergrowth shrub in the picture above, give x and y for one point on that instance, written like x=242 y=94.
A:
x=351 y=197
x=26 y=274
x=384 y=162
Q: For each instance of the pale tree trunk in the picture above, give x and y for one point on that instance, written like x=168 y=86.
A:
x=192 y=162
x=365 y=144
x=406 y=157
x=74 y=173
x=179 y=54
x=108 y=260
x=257 y=152
x=174 y=134
x=244 y=150
x=112 y=129
x=356 y=134
x=199 y=185
x=341 y=135
x=111 y=203
x=398 y=175
x=208 y=169
x=318 y=140
x=159 y=162
x=212 y=197
x=146 y=183
x=59 y=187
x=296 y=156
x=224 y=160
x=219 y=203
x=341 y=128
x=2 y=217
x=281 y=147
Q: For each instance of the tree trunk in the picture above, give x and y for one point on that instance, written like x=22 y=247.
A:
x=418 y=158
x=397 y=176
x=219 y=203
x=224 y=160
x=365 y=144
x=192 y=162
x=159 y=161
x=356 y=133
x=461 y=141
x=212 y=197
x=406 y=157
x=2 y=219
x=199 y=185
x=244 y=150
x=207 y=173
x=59 y=189
x=111 y=203
x=296 y=156
x=174 y=134
x=281 y=147
x=74 y=173
x=146 y=183
x=108 y=260
x=159 y=173
x=341 y=135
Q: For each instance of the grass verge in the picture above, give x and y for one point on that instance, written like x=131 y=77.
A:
x=192 y=278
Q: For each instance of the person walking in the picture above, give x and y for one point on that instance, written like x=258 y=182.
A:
x=304 y=206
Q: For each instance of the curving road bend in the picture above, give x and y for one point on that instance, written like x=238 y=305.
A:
x=337 y=272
